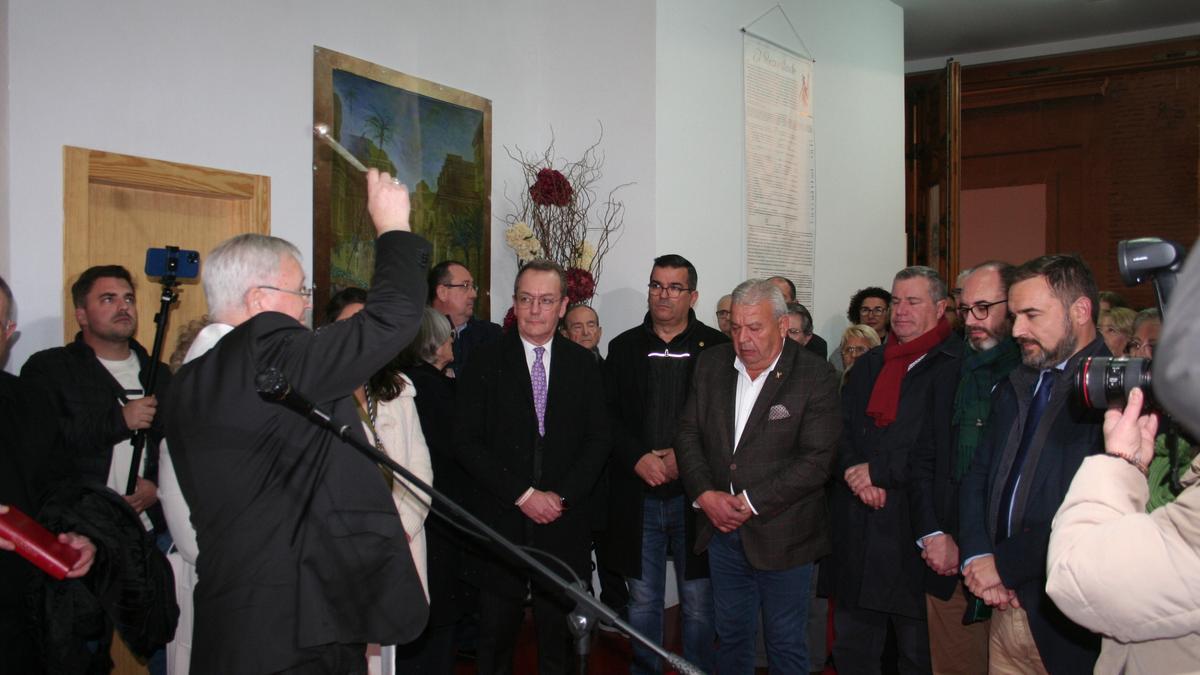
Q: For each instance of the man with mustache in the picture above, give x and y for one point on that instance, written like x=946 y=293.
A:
x=938 y=469
x=99 y=381
x=1034 y=442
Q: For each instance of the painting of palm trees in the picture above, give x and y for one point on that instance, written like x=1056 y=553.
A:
x=435 y=139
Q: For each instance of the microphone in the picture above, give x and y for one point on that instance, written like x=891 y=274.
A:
x=273 y=386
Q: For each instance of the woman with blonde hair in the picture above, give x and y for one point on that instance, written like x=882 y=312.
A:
x=1116 y=327
x=856 y=341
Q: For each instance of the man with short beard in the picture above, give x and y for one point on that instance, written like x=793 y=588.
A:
x=938 y=469
x=98 y=382
x=1025 y=460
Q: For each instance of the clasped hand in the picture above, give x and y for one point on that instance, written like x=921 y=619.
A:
x=858 y=478
x=725 y=511
x=542 y=507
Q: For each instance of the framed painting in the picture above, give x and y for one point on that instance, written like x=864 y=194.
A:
x=437 y=140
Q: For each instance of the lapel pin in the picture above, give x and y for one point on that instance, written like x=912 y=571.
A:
x=778 y=375
x=701 y=343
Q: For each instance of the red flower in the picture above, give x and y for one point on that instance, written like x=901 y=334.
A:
x=551 y=188
x=510 y=319
x=581 y=285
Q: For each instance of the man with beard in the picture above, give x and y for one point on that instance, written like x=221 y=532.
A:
x=938 y=468
x=897 y=403
x=98 y=382
x=1023 y=465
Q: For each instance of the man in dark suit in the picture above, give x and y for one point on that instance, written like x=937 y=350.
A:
x=755 y=447
x=302 y=555
x=898 y=398
x=31 y=458
x=531 y=430
x=1034 y=443
x=452 y=291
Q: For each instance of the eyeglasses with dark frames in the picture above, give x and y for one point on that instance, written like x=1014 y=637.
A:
x=978 y=310
x=466 y=286
x=671 y=291
x=544 y=301
x=877 y=311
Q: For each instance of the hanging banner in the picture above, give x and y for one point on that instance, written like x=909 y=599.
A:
x=781 y=215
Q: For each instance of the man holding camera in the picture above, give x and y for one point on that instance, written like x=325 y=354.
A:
x=1023 y=465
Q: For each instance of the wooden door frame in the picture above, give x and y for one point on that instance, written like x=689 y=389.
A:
x=83 y=167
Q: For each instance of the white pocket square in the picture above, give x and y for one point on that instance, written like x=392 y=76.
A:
x=778 y=412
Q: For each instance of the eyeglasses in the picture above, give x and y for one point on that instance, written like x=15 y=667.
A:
x=466 y=286
x=796 y=332
x=849 y=350
x=722 y=313
x=544 y=301
x=672 y=291
x=877 y=311
x=1136 y=344
x=305 y=292
x=978 y=310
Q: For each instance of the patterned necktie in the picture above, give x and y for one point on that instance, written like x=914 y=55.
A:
x=1036 y=407
x=537 y=376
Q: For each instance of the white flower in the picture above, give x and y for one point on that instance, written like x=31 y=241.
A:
x=584 y=255
x=519 y=237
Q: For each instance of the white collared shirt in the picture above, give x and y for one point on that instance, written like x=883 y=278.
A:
x=530 y=356
x=747 y=393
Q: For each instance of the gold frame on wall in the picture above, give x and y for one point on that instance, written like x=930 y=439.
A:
x=434 y=138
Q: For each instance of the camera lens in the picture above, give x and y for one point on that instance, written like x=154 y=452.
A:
x=1105 y=382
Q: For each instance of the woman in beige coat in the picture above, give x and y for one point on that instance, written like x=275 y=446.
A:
x=390 y=420
x=1132 y=576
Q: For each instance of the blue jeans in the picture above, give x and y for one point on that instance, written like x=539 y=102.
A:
x=739 y=591
x=663 y=528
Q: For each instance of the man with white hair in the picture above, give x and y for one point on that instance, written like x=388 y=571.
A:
x=302 y=556
x=755 y=447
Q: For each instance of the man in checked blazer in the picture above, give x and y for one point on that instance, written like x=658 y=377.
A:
x=755 y=447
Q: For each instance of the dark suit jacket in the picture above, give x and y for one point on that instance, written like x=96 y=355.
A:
x=496 y=440
x=783 y=459
x=31 y=458
x=933 y=492
x=818 y=346
x=477 y=333
x=1065 y=436
x=877 y=563
x=300 y=544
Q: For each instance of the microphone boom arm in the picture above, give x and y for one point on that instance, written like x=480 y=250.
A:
x=273 y=386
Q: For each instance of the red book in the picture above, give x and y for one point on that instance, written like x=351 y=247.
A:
x=37 y=544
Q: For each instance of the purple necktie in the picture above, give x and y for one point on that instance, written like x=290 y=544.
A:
x=537 y=376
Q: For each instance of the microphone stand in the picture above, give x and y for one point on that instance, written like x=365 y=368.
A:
x=272 y=386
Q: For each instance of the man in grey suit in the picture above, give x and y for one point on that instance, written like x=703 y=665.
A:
x=755 y=447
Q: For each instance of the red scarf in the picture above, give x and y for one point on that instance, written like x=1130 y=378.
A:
x=897 y=357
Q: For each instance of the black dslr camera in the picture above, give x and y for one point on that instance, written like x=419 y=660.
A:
x=1105 y=382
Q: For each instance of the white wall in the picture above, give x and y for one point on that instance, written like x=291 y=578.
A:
x=858 y=97
x=5 y=270
x=228 y=84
